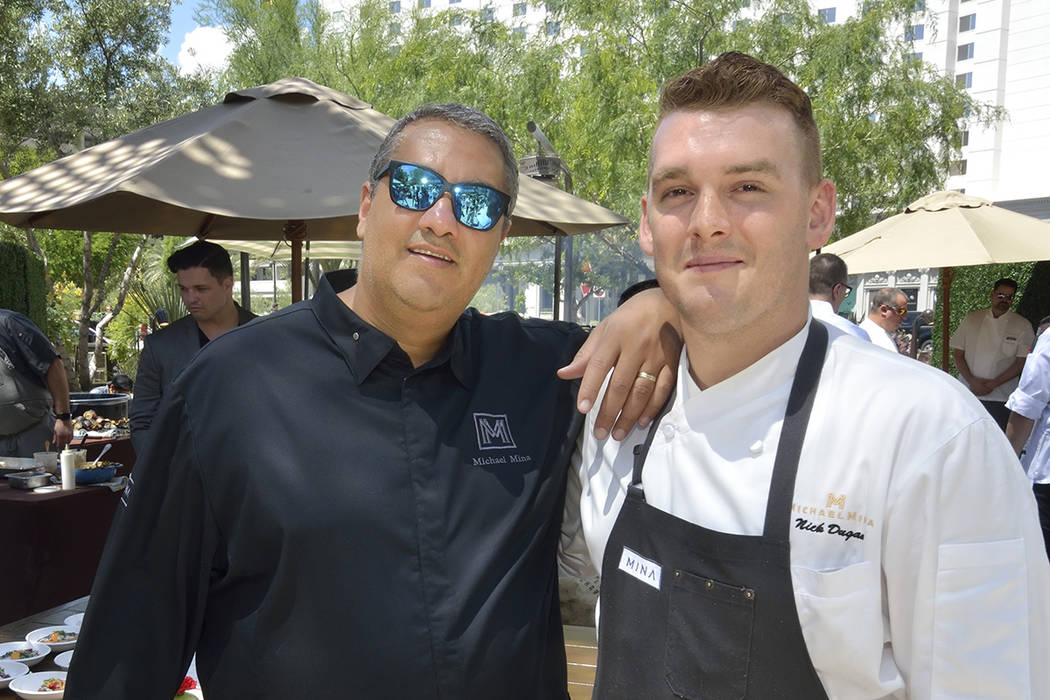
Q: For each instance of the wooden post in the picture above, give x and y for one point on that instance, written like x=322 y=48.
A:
x=947 y=273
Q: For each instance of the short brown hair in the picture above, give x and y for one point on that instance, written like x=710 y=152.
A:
x=736 y=80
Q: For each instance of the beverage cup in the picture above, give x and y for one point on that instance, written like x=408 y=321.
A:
x=81 y=456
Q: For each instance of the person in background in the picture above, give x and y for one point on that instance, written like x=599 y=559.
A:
x=1028 y=426
x=888 y=308
x=827 y=291
x=811 y=517
x=989 y=349
x=34 y=390
x=205 y=277
x=119 y=384
x=359 y=495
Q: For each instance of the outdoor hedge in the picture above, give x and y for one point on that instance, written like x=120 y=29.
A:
x=22 y=284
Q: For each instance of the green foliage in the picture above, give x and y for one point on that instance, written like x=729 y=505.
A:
x=22 y=287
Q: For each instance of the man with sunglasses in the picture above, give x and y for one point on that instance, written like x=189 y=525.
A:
x=827 y=291
x=359 y=496
x=888 y=308
x=989 y=348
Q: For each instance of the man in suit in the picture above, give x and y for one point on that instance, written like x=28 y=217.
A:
x=205 y=278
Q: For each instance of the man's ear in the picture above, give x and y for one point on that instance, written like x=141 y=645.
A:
x=645 y=234
x=821 y=214
x=362 y=211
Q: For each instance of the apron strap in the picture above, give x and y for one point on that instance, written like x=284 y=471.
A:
x=641 y=450
x=793 y=432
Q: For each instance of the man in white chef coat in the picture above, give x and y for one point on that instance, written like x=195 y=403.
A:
x=989 y=349
x=812 y=516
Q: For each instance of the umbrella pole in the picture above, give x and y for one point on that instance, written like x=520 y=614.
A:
x=295 y=231
x=946 y=295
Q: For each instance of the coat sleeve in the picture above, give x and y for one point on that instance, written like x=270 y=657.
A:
x=146 y=400
x=966 y=575
x=147 y=603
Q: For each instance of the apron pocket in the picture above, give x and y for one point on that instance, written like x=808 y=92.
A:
x=708 y=644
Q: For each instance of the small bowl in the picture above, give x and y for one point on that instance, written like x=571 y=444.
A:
x=28 y=686
x=42 y=650
x=74 y=620
x=13 y=669
x=28 y=481
x=63 y=659
x=39 y=636
x=96 y=475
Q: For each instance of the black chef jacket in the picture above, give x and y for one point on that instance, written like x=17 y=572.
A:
x=318 y=519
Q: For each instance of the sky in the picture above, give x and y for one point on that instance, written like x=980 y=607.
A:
x=190 y=45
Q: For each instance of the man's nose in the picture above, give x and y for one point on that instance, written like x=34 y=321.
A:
x=440 y=217
x=709 y=217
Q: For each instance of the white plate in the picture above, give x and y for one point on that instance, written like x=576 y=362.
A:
x=74 y=620
x=28 y=687
x=13 y=669
x=63 y=659
x=37 y=636
x=42 y=651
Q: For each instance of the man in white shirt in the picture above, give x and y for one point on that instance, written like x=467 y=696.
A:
x=1028 y=427
x=827 y=291
x=888 y=307
x=989 y=348
x=892 y=550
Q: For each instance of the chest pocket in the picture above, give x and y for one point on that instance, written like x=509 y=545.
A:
x=1008 y=348
x=708 y=639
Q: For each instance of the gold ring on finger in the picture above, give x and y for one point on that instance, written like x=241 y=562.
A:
x=646 y=375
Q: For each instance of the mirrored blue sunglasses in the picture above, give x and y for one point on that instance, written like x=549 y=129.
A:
x=474 y=205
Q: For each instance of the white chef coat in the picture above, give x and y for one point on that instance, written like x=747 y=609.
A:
x=879 y=336
x=1031 y=399
x=991 y=344
x=822 y=311
x=917 y=558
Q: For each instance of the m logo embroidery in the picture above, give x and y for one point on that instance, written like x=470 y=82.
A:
x=838 y=501
x=493 y=432
x=646 y=571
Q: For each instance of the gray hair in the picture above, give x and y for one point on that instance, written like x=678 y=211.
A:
x=459 y=115
x=887 y=296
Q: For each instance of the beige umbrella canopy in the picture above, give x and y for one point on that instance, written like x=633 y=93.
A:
x=945 y=230
x=251 y=167
x=282 y=250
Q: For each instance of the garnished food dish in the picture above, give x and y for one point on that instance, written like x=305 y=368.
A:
x=58 y=637
x=19 y=654
x=52 y=684
x=3 y=673
x=100 y=465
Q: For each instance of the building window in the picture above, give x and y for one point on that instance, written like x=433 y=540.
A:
x=965 y=52
x=424 y=4
x=488 y=14
x=457 y=19
x=964 y=138
x=395 y=28
x=920 y=5
x=914 y=32
x=957 y=167
x=964 y=80
x=553 y=27
x=916 y=56
x=520 y=30
x=395 y=6
x=826 y=15
x=519 y=9
x=453 y=2
x=967 y=23
x=745 y=3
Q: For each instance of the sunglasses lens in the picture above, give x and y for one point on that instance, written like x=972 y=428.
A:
x=477 y=206
x=414 y=188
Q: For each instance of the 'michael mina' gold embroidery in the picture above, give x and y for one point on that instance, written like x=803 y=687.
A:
x=843 y=521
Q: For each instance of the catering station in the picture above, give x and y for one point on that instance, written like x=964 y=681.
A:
x=55 y=531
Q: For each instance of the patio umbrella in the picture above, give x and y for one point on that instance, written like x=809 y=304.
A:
x=280 y=161
x=945 y=230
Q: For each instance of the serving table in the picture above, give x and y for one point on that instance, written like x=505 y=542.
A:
x=52 y=542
